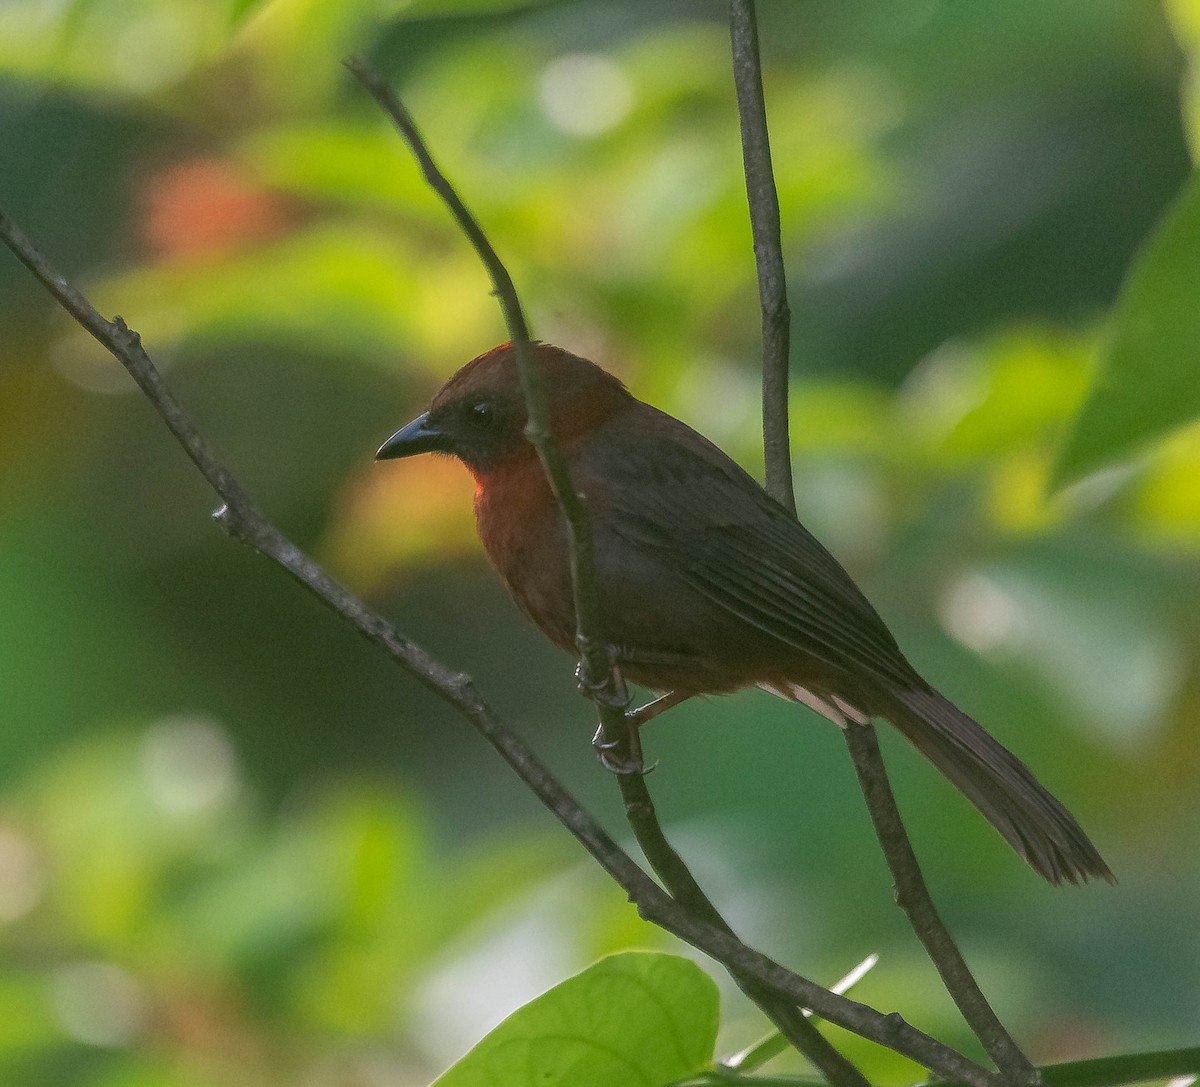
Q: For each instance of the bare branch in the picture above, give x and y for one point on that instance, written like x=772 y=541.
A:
x=790 y=1020
x=768 y=249
x=597 y=673
x=912 y=895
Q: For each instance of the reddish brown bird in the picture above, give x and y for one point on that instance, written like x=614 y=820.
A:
x=707 y=584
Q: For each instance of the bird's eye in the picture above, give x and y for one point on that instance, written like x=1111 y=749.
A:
x=483 y=415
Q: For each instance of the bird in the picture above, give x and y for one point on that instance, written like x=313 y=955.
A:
x=706 y=583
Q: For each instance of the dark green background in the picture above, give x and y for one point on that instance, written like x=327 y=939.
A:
x=364 y=888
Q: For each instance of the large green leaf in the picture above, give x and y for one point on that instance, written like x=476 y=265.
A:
x=1148 y=379
x=638 y=1019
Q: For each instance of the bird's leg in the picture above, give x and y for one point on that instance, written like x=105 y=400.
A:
x=610 y=691
x=620 y=754
x=629 y=763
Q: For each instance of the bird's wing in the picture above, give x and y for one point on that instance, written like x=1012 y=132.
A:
x=733 y=543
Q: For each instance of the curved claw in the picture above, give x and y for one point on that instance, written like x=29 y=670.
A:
x=624 y=766
x=620 y=767
x=604 y=748
x=631 y=765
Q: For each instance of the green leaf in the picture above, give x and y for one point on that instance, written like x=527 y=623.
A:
x=1148 y=379
x=242 y=10
x=638 y=1019
x=1183 y=17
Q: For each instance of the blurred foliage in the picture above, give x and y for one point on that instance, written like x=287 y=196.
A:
x=1147 y=383
x=236 y=847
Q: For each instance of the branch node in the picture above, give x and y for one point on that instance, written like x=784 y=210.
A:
x=894 y=1024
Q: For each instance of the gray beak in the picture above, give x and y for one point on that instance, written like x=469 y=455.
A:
x=417 y=437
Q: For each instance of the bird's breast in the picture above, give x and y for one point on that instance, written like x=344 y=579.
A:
x=524 y=536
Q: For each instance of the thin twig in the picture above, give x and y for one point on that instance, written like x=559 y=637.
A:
x=763 y=201
x=765 y=222
x=912 y=895
x=243 y=519
x=597 y=674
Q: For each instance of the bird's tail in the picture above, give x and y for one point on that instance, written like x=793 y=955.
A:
x=1035 y=824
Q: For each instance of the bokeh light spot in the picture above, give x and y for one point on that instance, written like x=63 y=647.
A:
x=22 y=875
x=98 y=1003
x=584 y=94
x=189 y=764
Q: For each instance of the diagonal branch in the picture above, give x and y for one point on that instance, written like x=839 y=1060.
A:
x=243 y=519
x=791 y=1021
x=597 y=673
x=912 y=895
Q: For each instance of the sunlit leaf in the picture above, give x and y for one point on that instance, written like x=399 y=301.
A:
x=241 y=10
x=343 y=290
x=1184 y=19
x=632 y=1020
x=349 y=162
x=26 y=1019
x=1148 y=380
x=1166 y=503
x=1032 y=381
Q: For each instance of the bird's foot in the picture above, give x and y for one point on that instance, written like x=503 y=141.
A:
x=622 y=755
x=608 y=688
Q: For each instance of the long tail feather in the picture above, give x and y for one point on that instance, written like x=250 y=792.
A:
x=1035 y=824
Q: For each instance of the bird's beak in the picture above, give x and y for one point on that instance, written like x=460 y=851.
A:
x=417 y=437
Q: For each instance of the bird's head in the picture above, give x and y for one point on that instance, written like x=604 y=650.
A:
x=479 y=414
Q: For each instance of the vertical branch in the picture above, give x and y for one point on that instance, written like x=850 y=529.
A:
x=911 y=891
x=776 y=323
x=768 y=249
